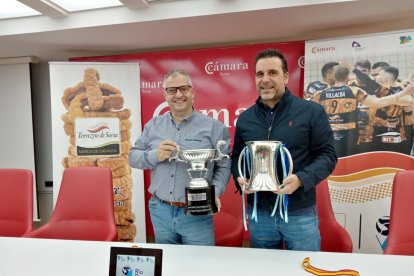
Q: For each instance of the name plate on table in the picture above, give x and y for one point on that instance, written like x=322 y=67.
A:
x=131 y=261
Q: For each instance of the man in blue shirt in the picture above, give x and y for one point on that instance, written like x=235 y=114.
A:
x=186 y=129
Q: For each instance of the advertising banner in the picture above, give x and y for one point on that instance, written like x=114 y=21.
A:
x=372 y=143
x=224 y=86
x=94 y=106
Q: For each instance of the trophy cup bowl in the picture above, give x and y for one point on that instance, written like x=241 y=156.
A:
x=200 y=196
x=263 y=159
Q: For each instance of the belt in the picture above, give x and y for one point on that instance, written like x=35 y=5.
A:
x=174 y=204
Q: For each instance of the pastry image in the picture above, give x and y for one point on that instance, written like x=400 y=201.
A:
x=91 y=100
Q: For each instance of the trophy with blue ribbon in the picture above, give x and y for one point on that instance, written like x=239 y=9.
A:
x=258 y=165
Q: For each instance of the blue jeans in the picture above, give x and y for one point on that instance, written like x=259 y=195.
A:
x=173 y=226
x=300 y=233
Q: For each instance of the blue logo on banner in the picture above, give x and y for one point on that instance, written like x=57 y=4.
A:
x=382 y=227
x=355 y=44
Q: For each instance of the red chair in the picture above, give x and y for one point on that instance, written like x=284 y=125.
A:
x=228 y=230
x=401 y=229
x=84 y=208
x=16 y=202
x=334 y=238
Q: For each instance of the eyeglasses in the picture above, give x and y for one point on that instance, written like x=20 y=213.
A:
x=184 y=89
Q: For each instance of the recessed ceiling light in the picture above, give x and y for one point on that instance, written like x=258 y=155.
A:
x=79 y=5
x=13 y=8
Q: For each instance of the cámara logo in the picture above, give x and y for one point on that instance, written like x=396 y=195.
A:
x=318 y=49
x=224 y=68
x=301 y=62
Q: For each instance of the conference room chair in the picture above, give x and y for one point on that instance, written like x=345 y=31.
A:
x=334 y=238
x=401 y=229
x=16 y=202
x=228 y=230
x=84 y=208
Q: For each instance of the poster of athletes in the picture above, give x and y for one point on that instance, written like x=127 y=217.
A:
x=372 y=143
x=95 y=114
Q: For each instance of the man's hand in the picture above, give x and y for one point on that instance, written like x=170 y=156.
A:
x=408 y=90
x=243 y=182
x=218 y=203
x=291 y=184
x=165 y=149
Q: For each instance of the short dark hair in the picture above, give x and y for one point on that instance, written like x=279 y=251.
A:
x=381 y=64
x=364 y=63
x=341 y=73
x=269 y=53
x=176 y=72
x=327 y=67
x=392 y=70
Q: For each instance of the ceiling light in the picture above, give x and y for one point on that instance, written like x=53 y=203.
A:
x=13 y=8
x=78 y=5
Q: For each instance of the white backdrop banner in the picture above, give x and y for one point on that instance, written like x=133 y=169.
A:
x=95 y=112
x=17 y=145
x=378 y=142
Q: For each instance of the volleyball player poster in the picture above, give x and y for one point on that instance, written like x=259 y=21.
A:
x=372 y=143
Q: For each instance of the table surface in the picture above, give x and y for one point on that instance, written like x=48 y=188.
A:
x=25 y=256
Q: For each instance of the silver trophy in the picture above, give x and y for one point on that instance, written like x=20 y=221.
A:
x=259 y=162
x=200 y=196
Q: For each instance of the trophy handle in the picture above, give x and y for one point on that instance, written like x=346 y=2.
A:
x=220 y=156
x=175 y=156
x=242 y=157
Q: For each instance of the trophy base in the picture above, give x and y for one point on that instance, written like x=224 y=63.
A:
x=200 y=201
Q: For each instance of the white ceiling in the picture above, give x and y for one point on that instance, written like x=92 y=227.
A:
x=148 y=25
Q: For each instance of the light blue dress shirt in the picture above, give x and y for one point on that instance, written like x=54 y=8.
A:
x=169 y=178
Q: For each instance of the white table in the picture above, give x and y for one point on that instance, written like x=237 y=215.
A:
x=23 y=256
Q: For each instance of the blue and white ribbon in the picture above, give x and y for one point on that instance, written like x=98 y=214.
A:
x=282 y=201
